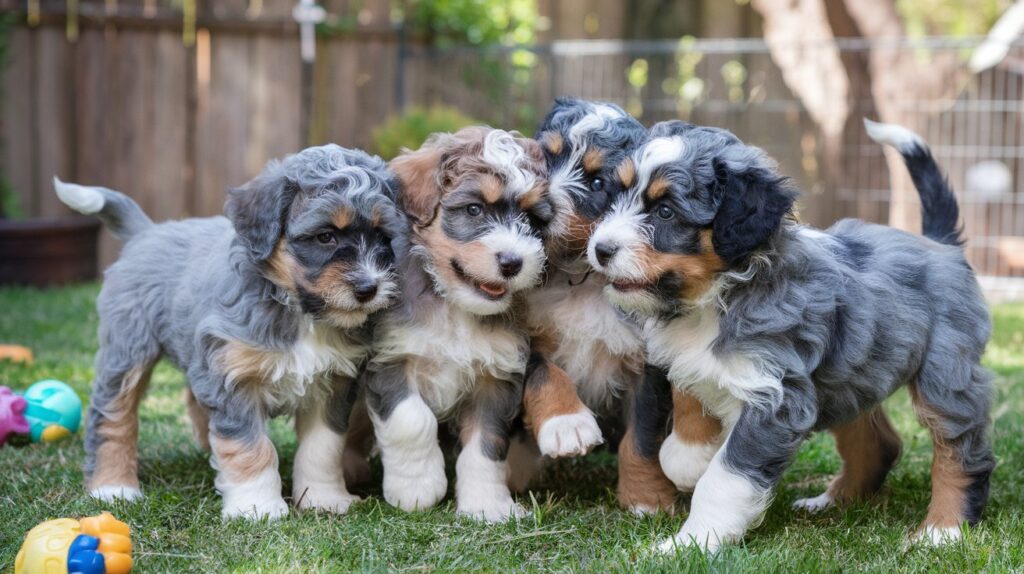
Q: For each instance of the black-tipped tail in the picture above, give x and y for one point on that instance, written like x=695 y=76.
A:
x=122 y=216
x=940 y=213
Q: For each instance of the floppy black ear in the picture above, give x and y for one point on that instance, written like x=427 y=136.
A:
x=258 y=210
x=751 y=206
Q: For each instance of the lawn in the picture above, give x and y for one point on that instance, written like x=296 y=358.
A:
x=574 y=525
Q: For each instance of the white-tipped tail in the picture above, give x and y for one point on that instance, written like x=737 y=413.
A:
x=898 y=137
x=83 y=199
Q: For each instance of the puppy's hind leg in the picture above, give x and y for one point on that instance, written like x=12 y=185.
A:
x=123 y=369
x=200 y=419
x=869 y=447
x=318 y=480
x=957 y=416
x=643 y=487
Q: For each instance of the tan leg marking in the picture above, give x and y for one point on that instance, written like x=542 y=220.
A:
x=949 y=481
x=200 y=418
x=240 y=462
x=689 y=421
x=555 y=397
x=642 y=484
x=117 y=457
x=869 y=446
x=355 y=460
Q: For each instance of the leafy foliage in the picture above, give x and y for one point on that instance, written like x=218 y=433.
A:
x=410 y=129
x=505 y=22
x=957 y=18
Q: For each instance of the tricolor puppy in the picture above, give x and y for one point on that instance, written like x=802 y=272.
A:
x=265 y=311
x=454 y=349
x=587 y=358
x=782 y=330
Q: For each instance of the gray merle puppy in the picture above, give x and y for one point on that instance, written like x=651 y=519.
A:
x=266 y=312
x=782 y=330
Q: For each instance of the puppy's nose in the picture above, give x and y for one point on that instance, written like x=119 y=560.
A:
x=605 y=252
x=364 y=290
x=510 y=264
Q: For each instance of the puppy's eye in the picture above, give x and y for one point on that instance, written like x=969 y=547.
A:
x=664 y=212
x=596 y=184
x=474 y=209
x=326 y=238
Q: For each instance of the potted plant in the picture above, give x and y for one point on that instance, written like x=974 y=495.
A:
x=44 y=251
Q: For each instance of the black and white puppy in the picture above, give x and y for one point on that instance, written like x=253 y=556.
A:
x=455 y=349
x=782 y=330
x=266 y=312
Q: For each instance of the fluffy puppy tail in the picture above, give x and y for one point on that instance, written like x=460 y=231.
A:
x=940 y=214
x=122 y=216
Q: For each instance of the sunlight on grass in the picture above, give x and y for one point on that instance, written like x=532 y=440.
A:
x=574 y=524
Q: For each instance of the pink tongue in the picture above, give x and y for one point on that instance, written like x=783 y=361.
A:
x=492 y=290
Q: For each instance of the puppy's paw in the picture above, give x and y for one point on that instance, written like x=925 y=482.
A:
x=814 y=504
x=270 y=509
x=706 y=541
x=416 y=492
x=112 y=493
x=684 y=462
x=569 y=435
x=937 y=535
x=332 y=499
x=490 y=509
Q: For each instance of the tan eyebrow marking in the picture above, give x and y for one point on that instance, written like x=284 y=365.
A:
x=657 y=189
x=627 y=173
x=491 y=188
x=530 y=198
x=593 y=160
x=342 y=218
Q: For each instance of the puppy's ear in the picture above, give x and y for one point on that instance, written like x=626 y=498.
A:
x=752 y=203
x=420 y=186
x=258 y=210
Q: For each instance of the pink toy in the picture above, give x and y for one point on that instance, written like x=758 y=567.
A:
x=12 y=414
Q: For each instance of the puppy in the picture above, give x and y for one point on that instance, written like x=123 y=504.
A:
x=580 y=339
x=265 y=311
x=454 y=349
x=782 y=330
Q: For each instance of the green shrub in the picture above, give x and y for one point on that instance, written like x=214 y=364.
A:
x=411 y=128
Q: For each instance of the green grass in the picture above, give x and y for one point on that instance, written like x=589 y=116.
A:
x=574 y=526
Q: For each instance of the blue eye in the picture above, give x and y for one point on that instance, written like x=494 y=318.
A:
x=665 y=212
x=474 y=209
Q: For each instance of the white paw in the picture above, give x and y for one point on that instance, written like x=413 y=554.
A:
x=814 y=504
x=328 y=499
x=271 y=508
x=683 y=462
x=569 y=435
x=115 y=493
x=416 y=491
x=500 y=509
x=643 y=510
x=707 y=541
x=937 y=535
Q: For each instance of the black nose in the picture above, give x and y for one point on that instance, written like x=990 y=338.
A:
x=510 y=264
x=605 y=251
x=364 y=290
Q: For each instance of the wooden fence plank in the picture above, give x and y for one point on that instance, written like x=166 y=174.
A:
x=54 y=118
x=19 y=135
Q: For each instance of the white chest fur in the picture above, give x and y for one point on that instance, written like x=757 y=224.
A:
x=285 y=378
x=601 y=352
x=722 y=382
x=447 y=354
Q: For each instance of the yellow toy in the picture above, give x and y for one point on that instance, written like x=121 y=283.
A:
x=98 y=544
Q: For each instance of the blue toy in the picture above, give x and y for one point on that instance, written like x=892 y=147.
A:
x=54 y=411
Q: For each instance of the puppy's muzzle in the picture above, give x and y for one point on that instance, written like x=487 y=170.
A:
x=510 y=264
x=364 y=289
x=604 y=251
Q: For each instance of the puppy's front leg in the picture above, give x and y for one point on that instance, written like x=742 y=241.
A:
x=481 y=484
x=406 y=432
x=562 y=425
x=318 y=480
x=695 y=438
x=246 y=462
x=737 y=487
x=643 y=487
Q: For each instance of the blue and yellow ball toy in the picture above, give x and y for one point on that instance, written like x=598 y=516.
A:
x=98 y=544
x=54 y=411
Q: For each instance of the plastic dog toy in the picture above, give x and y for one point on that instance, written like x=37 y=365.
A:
x=99 y=544
x=12 y=414
x=54 y=411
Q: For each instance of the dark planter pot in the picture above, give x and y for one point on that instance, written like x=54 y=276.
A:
x=44 y=252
